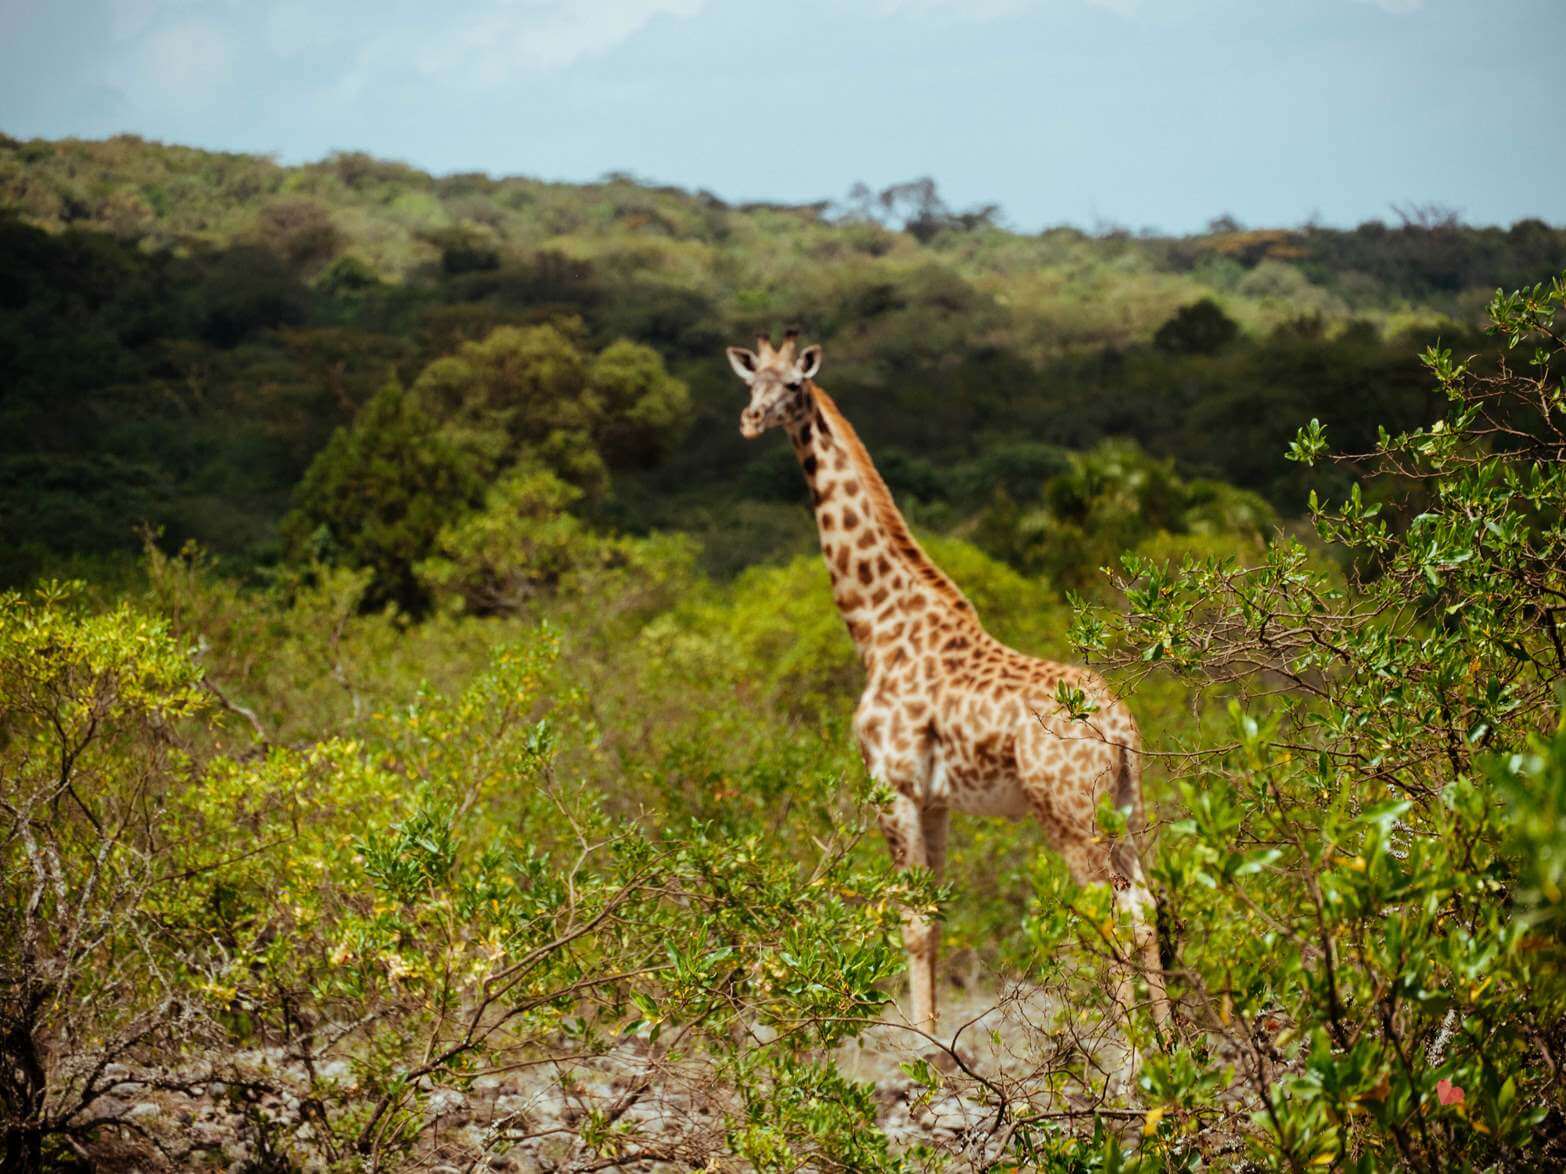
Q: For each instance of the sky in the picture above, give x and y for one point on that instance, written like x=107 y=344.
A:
x=1143 y=114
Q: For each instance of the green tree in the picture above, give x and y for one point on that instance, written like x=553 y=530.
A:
x=378 y=494
x=640 y=408
x=1198 y=329
x=1115 y=498
x=532 y=393
x=517 y=386
x=299 y=230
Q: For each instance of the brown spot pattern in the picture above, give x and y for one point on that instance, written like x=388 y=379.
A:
x=950 y=717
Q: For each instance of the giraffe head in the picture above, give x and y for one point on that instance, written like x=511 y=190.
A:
x=777 y=380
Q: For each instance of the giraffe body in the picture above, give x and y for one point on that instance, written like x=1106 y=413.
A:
x=950 y=718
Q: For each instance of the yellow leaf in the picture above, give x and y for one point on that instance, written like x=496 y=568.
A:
x=1325 y=1159
x=1150 y=1124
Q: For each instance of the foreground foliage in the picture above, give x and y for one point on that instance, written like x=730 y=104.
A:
x=1363 y=872
x=388 y=917
x=573 y=867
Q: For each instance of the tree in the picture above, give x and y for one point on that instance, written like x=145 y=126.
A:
x=527 y=400
x=532 y=393
x=299 y=230
x=916 y=207
x=467 y=249
x=1115 y=498
x=378 y=494
x=641 y=408
x=1201 y=328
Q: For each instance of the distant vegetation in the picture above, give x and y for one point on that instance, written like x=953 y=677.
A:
x=182 y=331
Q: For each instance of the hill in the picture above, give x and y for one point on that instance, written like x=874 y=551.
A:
x=181 y=331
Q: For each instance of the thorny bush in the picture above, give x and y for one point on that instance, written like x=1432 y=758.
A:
x=1364 y=874
x=367 y=927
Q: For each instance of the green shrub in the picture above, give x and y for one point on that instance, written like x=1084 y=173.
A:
x=1357 y=870
x=362 y=924
x=90 y=762
x=522 y=544
x=379 y=493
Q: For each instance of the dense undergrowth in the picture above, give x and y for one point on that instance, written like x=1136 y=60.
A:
x=336 y=864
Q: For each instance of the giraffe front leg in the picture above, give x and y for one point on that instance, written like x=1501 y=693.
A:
x=903 y=825
x=933 y=822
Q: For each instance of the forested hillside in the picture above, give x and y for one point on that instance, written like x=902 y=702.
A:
x=181 y=331
x=426 y=728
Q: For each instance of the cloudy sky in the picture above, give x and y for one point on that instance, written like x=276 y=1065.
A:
x=1144 y=113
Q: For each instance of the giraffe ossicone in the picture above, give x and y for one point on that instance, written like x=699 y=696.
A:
x=951 y=718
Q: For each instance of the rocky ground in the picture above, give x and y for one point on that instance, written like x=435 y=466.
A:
x=254 y=1111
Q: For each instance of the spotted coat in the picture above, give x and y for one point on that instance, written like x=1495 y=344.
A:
x=950 y=718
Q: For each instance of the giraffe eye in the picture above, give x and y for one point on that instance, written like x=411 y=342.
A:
x=795 y=385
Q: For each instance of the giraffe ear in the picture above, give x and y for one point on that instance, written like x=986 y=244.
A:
x=743 y=362
x=809 y=361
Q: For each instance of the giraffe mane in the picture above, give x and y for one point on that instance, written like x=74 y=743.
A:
x=899 y=537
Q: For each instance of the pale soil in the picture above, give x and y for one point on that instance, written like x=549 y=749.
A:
x=529 y=1119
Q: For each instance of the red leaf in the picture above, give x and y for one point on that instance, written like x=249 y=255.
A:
x=1448 y=1093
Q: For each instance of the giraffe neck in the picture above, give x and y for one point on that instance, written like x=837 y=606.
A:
x=879 y=571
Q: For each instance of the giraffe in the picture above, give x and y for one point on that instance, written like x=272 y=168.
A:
x=950 y=717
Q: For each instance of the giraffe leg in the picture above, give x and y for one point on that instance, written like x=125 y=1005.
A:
x=1065 y=775
x=933 y=822
x=902 y=824
x=1135 y=899
x=1091 y=862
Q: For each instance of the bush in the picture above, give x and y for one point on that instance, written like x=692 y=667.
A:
x=1367 y=937
x=523 y=545
x=363 y=928
x=91 y=763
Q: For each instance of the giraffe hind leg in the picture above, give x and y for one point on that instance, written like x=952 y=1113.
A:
x=1093 y=862
x=1136 y=897
x=1065 y=775
x=903 y=825
x=933 y=822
